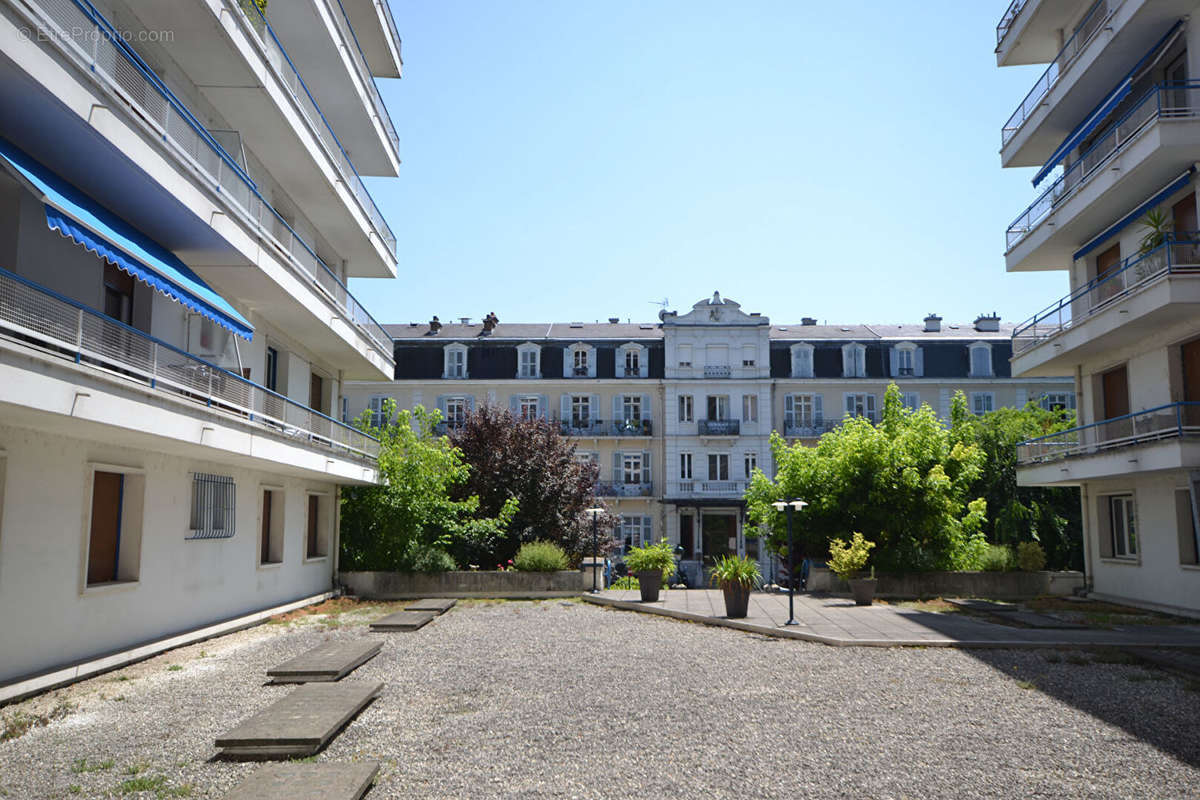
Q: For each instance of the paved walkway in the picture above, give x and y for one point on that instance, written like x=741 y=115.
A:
x=837 y=621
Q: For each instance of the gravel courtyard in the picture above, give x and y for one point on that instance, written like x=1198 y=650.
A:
x=562 y=699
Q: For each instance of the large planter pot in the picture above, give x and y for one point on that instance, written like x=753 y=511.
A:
x=863 y=590
x=737 y=600
x=649 y=582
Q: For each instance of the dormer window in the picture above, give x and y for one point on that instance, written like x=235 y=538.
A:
x=581 y=361
x=633 y=357
x=455 y=361
x=529 y=361
x=854 y=361
x=907 y=361
x=802 y=361
x=981 y=360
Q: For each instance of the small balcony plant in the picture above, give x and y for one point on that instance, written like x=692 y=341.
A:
x=736 y=576
x=651 y=565
x=847 y=562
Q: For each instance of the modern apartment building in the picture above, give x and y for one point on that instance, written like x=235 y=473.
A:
x=677 y=414
x=182 y=206
x=1113 y=127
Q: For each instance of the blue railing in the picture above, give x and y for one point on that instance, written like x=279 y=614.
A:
x=1170 y=421
x=1171 y=100
x=1179 y=253
x=1087 y=28
x=1006 y=22
x=342 y=20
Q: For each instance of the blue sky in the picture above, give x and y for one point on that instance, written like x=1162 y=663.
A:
x=571 y=160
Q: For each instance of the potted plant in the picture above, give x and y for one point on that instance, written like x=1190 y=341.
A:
x=847 y=562
x=650 y=565
x=736 y=575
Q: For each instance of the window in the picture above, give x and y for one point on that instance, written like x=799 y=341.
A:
x=685 y=466
x=1123 y=526
x=861 y=405
x=750 y=462
x=456 y=412
x=272 y=371
x=854 y=361
x=633 y=360
x=907 y=360
x=579 y=362
x=686 y=410
x=718 y=466
x=270 y=546
x=375 y=406
x=802 y=361
x=214 y=506
x=1185 y=525
x=911 y=400
x=631 y=408
x=635 y=531
x=631 y=468
x=749 y=408
x=456 y=361
x=317 y=527
x=718 y=407
x=528 y=357
x=114 y=526
x=981 y=360
x=1057 y=401
x=527 y=407
x=981 y=403
x=802 y=411
x=684 y=352
x=749 y=356
x=581 y=411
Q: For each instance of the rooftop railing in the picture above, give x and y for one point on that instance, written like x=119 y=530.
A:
x=278 y=58
x=364 y=72
x=1171 y=421
x=1179 y=254
x=1169 y=100
x=1006 y=22
x=64 y=329
x=1092 y=22
x=79 y=29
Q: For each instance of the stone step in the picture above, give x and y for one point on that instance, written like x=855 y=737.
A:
x=403 y=621
x=438 y=605
x=331 y=661
x=330 y=781
x=301 y=723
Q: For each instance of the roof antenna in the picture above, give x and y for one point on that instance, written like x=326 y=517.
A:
x=661 y=303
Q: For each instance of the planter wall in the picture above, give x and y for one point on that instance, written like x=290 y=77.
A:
x=404 y=586
x=1000 y=585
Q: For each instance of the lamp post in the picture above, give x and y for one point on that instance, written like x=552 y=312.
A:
x=788 y=506
x=595 y=512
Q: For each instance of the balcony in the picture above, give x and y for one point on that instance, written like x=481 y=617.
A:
x=632 y=428
x=700 y=489
x=1028 y=32
x=198 y=152
x=619 y=489
x=718 y=372
x=375 y=28
x=593 y=427
x=1151 y=144
x=807 y=429
x=1006 y=22
x=59 y=329
x=1164 y=279
x=719 y=427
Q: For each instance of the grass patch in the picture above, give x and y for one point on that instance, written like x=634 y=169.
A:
x=74 y=788
x=174 y=668
x=19 y=723
x=81 y=766
x=1026 y=685
x=934 y=604
x=1101 y=614
x=1053 y=658
x=1078 y=659
x=1109 y=656
x=143 y=783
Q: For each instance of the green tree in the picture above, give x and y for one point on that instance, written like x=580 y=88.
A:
x=904 y=483
x=411 y=521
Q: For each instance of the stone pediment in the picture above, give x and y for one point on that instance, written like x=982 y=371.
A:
x=714 y=310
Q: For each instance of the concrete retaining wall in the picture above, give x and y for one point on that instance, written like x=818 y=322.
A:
x=1001 y=585
x=403 y=586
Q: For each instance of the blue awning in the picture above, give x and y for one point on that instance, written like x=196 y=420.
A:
x=81 y=219
x=1124 y=222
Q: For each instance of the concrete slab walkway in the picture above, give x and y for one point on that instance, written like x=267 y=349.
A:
x=331 y=661
x=327 y=781
x=301 y=723
x=837 y=621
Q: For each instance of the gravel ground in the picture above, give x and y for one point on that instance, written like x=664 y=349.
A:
x=560 y=699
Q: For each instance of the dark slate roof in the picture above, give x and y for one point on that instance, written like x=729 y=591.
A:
x=913 y=332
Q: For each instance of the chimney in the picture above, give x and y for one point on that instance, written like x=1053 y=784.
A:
x=985 y=323
x=465 y=320
x=933 y=323
x=808 y=321
x=613 y=320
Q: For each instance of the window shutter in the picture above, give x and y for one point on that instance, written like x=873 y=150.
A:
x=616 y=473
x=894 y=357
x=646 y=406
x=544 y=406
x=470 y=403
x=919 y=362
x=514 y=404
x=818 y=412
x=593 y=407
x=1104 y=525
x=618 y=409
x=564 y=408
x=850 y=404
x=847 y=361
x=1185 y=526
x=645 y=466
x=789 y=405
x=871 y=406
x=441 y=404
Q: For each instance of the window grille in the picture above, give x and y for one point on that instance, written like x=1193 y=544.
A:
x=214 y=507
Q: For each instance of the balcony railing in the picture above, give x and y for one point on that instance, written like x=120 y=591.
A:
x=1179 y=254
x=632 y=428
x=1170 y=101
x=1171 y=421
x=719 y=427
x=364 y=72
x=619 y=489
x=278 y=58
x=708 y=488
x=1092 y=22
x=592 y=427
x=808 y=428
x=78 y=29
x=718 y=372
x=1006 y=22
x=64 y=329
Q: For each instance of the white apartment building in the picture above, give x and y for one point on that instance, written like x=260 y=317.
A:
x=678 y=414
x=1113 y=126
x=182 y=208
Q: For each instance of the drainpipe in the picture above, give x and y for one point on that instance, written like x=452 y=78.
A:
x=337 y=533
x=1085 y=504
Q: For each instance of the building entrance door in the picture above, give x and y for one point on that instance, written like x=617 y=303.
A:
x=720 y=536
x=1191 y=381
x=687 y=535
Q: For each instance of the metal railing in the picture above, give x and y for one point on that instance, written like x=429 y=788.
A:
x=278 y=58
x=385 y=10
x=719 y=427
x=1171 y=421
x=718 y=372
x=591 y=427
x=77 y=28
x=1006 y=22
x=62 y=328
x=711 y=488
x=1092 y=22
x=632 y=428
x=808 y=428
x=1170 y=101
x=364 y=72
x=620 y=489
x=1179 y=254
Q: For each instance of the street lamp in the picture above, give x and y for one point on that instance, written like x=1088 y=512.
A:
x=789 y=506
x=595 y=512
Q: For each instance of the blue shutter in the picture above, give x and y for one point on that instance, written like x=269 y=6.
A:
x=470 y=403
x=564 y=408
x=594 y=409
x=894 y=359
x=818 y=411
x=618 y=414
x=646 y=477
x=646 y=406
x=543 y=406
x=514 y=404
x=441 y=405
x=616 y=473
x=919 y=363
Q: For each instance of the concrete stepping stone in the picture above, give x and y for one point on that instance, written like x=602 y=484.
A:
x=438 y=605
x=1035 y=620
x=301 y=723
x=403 y=621
x=328 y=781
x=331 y=661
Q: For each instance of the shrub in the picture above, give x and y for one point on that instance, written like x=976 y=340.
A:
x=625 y=582
x=1031 y=556
x=996 y=558
x=424 y=558
x=650 y=557
x=540 y=557
x=735 y=571
x=846 y=561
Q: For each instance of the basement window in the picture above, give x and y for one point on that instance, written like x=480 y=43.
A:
x=214 y=507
